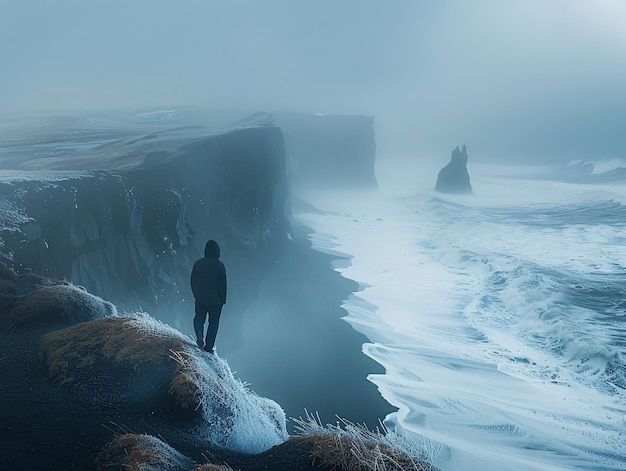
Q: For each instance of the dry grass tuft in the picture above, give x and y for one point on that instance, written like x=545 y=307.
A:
x=133 y=452
x=130 y=452
x=185 y=390
x=137 y=351
x=43 y=306
x=102 y=341
x=350 y=447
x=212 y=467
x=56 y=303
x=349 y=454
x=126 y=453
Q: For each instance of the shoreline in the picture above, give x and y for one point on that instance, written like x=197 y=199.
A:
x=308 y=358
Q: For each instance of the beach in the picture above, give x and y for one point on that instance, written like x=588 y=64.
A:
x=297 y=348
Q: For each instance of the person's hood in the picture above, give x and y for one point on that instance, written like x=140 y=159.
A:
x=211 y=249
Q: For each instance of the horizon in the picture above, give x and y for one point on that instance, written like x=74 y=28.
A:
x=521 y=80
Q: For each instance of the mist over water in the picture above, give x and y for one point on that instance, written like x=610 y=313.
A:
x=500 y=317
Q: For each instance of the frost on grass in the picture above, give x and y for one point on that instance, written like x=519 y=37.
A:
x=143 y=453
x=55 y=303
x=147 y=327
x=238 y=419
x=354 y=447
x=138 y=347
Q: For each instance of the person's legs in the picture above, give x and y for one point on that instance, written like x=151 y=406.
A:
x=214 y=322
x=198 y=322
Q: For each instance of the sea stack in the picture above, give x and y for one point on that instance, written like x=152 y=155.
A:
x=454 y=178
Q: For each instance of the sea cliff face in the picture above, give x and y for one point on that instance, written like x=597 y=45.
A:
x=127 y=219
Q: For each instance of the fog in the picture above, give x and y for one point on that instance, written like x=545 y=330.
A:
x=517 y=80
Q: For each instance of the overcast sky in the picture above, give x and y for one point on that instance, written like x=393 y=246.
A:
x=514 y=78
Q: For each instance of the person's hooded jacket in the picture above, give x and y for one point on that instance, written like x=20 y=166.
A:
x=208 y=276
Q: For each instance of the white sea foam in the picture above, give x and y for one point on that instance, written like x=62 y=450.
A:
x=476 y=307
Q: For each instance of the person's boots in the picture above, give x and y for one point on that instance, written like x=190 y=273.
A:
x=199 y=337
x=211 y=332
x=207 y=346
x=198 y=327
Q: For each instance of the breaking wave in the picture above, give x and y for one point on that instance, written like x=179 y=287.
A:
x=499 y=320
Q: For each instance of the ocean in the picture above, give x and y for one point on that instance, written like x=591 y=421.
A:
x=499 y=317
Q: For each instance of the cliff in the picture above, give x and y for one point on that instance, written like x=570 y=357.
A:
x=127 y=217
x=122 y=204
x=122 y=211
x=329 y=151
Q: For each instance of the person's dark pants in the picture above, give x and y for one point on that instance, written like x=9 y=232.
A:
x=214 y=311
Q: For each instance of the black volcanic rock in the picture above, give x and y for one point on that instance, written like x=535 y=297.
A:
x=454 y=178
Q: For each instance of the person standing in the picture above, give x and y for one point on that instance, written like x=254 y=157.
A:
x=208 y=284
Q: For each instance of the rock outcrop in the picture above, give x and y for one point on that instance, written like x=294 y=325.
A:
x=454 y=177
x=329 y=151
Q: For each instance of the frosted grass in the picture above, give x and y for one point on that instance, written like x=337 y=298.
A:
x=354 y=446
x=235 y=418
